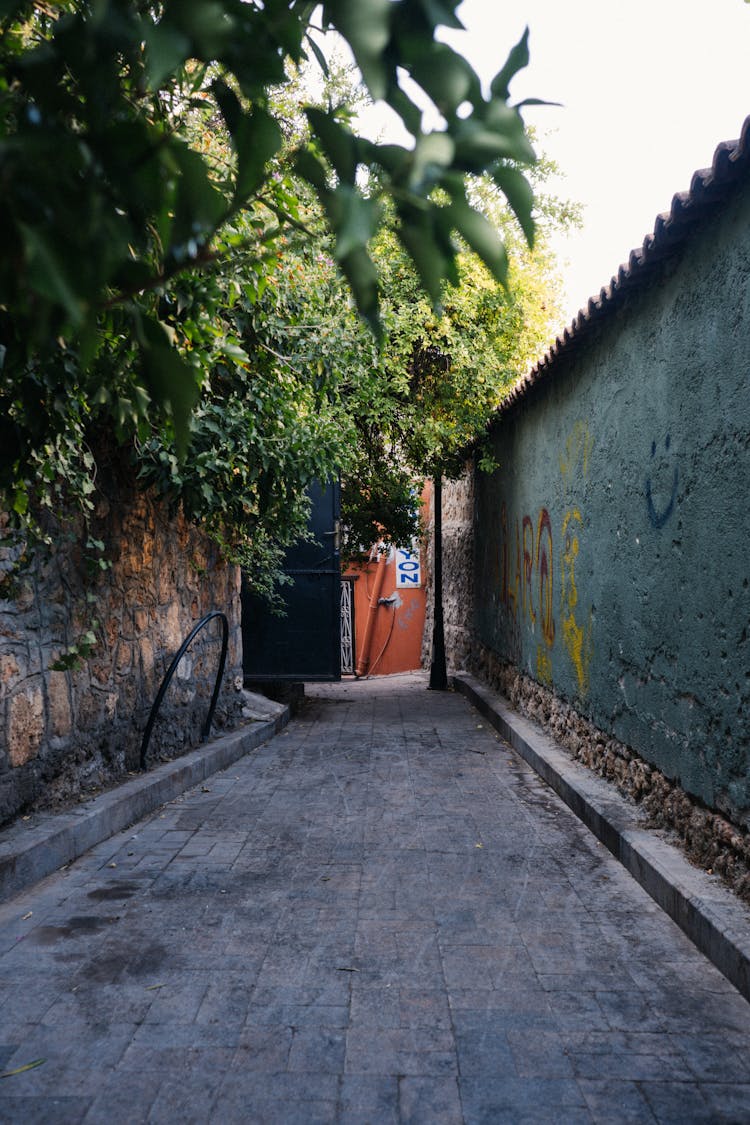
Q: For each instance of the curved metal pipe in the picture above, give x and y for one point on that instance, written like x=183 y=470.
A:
x=363 y=662
x=205 y=731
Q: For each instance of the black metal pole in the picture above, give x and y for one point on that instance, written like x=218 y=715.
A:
x=438 y=672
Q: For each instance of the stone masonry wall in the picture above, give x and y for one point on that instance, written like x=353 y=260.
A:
x=458 y=571
x=68 y=731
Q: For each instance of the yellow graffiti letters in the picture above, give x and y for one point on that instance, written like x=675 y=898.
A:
x=577 y=451
x=543 y=666
x=577 y=640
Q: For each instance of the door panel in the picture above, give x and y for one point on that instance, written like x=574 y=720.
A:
x=306 y=643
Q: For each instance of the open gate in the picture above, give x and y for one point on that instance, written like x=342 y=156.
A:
x=305 y=644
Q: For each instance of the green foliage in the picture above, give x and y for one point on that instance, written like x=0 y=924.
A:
x=165 y=280
x=76 y=654
x=108 y=193
x=270 y=418
x=444 y=370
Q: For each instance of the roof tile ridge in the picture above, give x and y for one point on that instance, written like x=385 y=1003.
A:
x=669 y=227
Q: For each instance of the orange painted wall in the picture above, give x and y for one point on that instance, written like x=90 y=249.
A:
x=396 y=640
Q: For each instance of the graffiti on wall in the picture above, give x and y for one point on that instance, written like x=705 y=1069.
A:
x=577 y=450
x=527 y=569
x=659 y=514
x=510 y=583
x=527 y=588
x=577 y=638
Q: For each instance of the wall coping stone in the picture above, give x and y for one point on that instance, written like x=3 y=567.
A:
x=31 y=851
x=714 y=919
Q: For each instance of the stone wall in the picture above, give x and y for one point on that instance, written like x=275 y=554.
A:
x=71 y=730
x=458 y=571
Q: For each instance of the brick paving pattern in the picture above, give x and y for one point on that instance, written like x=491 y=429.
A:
x=382 y=915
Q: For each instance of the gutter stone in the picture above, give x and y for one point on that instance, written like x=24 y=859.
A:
x=709 y=914
x=31 y=851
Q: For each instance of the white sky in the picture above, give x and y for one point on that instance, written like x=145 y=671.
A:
x=649 y=88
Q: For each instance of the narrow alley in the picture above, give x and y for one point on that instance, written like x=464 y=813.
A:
x=381 y=915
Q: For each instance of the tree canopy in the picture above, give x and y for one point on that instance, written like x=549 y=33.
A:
x=175 y=234
x=108 y=194
x=443 y=370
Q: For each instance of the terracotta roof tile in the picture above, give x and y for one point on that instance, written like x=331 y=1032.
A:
x=709 y=188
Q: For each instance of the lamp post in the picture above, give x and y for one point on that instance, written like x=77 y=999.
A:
x=438 y=673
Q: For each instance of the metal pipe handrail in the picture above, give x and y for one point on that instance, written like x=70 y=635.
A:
x=206 y=729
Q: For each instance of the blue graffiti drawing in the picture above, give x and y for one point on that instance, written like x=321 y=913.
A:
x=658 y=519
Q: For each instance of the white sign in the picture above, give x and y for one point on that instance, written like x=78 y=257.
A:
x=408 y=573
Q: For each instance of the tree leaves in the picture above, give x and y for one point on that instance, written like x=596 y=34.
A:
x=337 y=142
x=136 y=137
x=48 y=275
x=208 y=26
x=443 y=74
x=166 y=50
x=171 y=381
x=489 y=139
x=365 y=24
x=517 y=60
x=519 y=194
x=481 y=236
x=256 y=138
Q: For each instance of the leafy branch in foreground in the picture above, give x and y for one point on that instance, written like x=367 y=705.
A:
x=109 y=194
x=177 y=213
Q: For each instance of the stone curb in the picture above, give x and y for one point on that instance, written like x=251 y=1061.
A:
x=29 y=852
x=705 y=910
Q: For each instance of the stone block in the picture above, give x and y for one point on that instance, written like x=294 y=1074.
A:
x=88 y=713
x=101 y=669
x=58 y=699
x=109 y=699
x=171 y=630
x=9 y=668
x=130 y=563
x=146 y=651
x=141 y=620
x=148 y=552
x=25 y=595
x=123 y=656
x=110 y=627
x=25 y=723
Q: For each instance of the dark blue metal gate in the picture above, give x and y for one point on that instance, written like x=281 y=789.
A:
x=306 y=643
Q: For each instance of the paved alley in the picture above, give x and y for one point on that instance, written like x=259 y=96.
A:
x=382 y=915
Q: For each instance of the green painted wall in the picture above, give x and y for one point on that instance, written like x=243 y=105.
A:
x=612 y=547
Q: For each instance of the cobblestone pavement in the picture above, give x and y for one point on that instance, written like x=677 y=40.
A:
x=382 y=915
